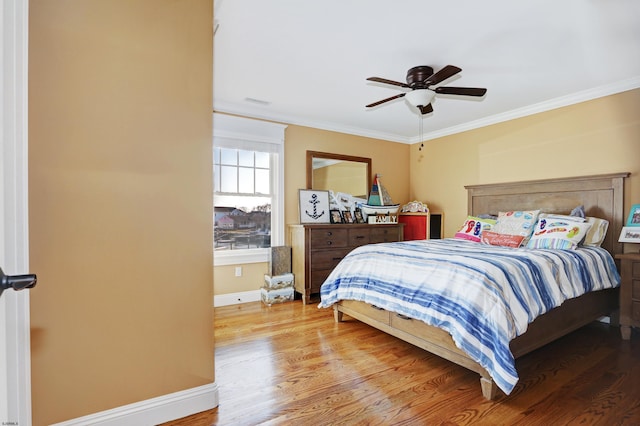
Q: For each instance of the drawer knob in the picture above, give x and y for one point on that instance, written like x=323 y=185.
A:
x=359 y=237
x=329 y=243
x=329 y=233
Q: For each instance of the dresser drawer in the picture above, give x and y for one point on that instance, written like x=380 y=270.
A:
x=359 y=237
x=635 y=289
x=635 y=312
x=384 y=234
x=327 y=259
x=318 y=276
x=323 y=238
x=635 y=270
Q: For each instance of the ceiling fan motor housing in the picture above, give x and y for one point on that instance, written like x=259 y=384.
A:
x=416 y=76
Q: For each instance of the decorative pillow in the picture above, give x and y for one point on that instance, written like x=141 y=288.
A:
x=556 y=232
x=595 y=235
x=473 y=228
x=505 y=240
x=518 y=222
x=571 y=217
x=488 y=216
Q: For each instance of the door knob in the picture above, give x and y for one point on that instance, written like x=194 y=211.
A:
x=16 y=282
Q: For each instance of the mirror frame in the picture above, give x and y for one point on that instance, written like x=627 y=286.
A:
x=316 y=154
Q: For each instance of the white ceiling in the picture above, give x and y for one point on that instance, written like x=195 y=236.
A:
x=310 y=59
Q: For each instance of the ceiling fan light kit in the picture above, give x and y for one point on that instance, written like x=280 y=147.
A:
x=420 y=97
x=422 y=81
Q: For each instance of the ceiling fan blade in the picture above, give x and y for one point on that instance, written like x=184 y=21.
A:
x=442 y=75
x=385 y=81
x=386 y=100
x=467 y=91
x=426 y=109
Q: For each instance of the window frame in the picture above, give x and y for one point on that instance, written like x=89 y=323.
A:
x=233 y=131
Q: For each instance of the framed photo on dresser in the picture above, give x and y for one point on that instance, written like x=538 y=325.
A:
x=336 y=216
x=348 y=217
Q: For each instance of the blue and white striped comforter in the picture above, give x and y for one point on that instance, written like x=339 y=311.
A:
x=484 y=296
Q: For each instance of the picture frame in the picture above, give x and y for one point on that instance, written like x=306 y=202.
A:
x=336 y=216
x=634 y=216
x=630 y=234
x=358 y=216
x=348 y=217
x=313 y=206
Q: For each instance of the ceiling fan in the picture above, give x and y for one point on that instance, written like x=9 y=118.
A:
x=421 y=80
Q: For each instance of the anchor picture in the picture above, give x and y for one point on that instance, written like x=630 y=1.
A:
x=314 y=202
x=314 y=206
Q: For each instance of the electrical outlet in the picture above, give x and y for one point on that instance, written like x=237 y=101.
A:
x=238 y=271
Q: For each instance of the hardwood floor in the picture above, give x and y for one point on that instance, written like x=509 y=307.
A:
x=292 y=364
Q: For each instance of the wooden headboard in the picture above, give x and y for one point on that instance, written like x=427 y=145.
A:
x=601 y=195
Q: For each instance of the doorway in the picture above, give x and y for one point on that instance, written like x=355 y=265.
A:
x=15 y=364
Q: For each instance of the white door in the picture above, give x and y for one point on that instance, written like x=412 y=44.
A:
x=15 y=365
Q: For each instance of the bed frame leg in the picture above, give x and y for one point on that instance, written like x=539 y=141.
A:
x=489 y=388
x=337 y=315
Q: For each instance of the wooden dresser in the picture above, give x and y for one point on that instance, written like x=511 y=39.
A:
x=629 y=293
x=317 y=249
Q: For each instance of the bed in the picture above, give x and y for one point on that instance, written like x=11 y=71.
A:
x=602 y=197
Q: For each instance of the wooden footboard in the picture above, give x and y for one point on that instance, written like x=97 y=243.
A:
x=570 y=316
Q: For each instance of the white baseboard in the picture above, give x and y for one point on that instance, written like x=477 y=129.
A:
x=236 y=298
x=154 y=411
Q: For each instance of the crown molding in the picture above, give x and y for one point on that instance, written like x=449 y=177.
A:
x=231 y=108
x=551 y=104
x=548 y=105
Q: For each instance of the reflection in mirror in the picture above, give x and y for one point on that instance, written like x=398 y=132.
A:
x=339 y=173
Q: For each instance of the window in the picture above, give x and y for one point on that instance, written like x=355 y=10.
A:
x=248 y=186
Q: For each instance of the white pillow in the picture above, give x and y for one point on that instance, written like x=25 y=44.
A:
x=595 y=235
x=558 y=232
x=561 y=216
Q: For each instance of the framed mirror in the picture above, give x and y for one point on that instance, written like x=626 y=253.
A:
x=339 y=173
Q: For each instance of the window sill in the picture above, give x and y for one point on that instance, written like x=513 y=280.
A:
x=236 y=257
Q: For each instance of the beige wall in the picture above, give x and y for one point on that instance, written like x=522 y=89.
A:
x=120 y=101
x=594 y=137
x=251 y=279
x=390 y=159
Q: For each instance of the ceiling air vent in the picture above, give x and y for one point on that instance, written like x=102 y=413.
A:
x=257 y=101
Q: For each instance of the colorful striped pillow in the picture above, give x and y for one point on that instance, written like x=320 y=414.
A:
x=473 y=228
x=555 y=232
